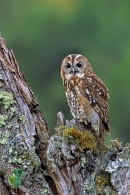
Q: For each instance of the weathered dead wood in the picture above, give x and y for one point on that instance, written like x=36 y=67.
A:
x=99 y=170
x=67 y=163
x=24 y=133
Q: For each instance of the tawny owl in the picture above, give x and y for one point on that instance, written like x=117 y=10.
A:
x=86 y=94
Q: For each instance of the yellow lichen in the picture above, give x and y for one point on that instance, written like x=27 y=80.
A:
x=116 y=143
x=102 y=149
x=59 y=130
x=6 y=99
x=101 y=181
x=3 y=119
x=103 y=184
x=84 y=139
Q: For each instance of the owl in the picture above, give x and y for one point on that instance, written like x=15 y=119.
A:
x=86 y=94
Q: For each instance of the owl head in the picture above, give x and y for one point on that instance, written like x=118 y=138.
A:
x=75 y=65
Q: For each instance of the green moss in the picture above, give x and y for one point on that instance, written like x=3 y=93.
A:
x=6 y=99
x=11 y=111
x=102 y=180
x=44 y=192
x=28 y=158
x=13 y=154
x=116 y=143
x=3 y=119
x=60 y=130
x=13 y=159
x=88 y=185
x=9 y=126
x=4 y=137
x=84 y=139
x=83 y=161
x=103 y=184
x=10 y=150
x=17 y=126
x=22 y=118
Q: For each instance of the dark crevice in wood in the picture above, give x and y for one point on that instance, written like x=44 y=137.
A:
x=51 y=184
x=4 y=189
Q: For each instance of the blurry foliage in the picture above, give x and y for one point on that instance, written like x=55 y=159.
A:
x=41 y=33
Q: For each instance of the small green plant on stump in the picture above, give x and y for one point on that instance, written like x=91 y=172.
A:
x=16 y=177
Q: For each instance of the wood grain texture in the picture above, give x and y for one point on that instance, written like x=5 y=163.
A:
x=24 y=133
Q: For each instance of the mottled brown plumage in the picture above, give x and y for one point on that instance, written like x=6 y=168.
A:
x=86 y=94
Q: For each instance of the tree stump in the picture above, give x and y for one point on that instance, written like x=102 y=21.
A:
x=71 y=162
x=24 y=133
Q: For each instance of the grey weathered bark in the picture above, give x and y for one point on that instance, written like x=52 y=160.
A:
x=24 y=133
x=71 y=162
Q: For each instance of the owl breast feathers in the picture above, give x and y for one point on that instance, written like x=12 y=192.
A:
x=86 y=94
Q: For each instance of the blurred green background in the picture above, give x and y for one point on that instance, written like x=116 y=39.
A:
x=41 y=33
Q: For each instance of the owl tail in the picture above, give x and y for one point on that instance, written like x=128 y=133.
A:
x=107 y=128
x=103 y=127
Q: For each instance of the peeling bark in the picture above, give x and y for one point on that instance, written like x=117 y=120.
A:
x=71 y=162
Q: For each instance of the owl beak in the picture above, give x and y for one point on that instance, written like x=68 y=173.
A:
x=73 y=70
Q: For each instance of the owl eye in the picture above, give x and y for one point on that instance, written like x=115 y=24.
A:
x=78 y=65
x=68 y=65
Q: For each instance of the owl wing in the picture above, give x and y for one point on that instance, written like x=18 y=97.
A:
x=97 y=94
